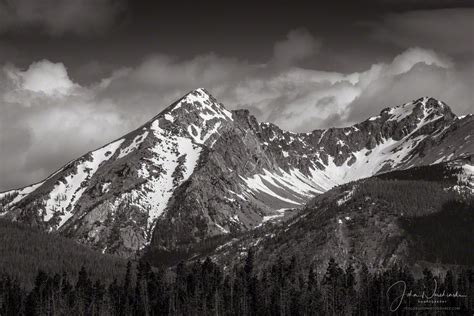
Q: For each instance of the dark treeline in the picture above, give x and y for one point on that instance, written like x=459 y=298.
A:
x=24 y=250
x=204 y=288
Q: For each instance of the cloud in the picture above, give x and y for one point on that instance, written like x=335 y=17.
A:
x=294 y=97
x=56 y=17
x=298 y=45
x=166 y=72
x=40 y=129
x=445 y=30
x=452 y=85
x=9 y=52
x=44 y=76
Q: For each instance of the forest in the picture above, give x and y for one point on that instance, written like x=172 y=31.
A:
x=205 y=288
x=24 y=250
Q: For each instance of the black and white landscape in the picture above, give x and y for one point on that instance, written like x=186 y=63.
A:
x=154 y=163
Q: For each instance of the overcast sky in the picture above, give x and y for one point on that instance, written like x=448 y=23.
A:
x=76 y=74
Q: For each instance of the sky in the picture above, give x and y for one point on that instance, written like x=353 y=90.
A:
x=76 y=74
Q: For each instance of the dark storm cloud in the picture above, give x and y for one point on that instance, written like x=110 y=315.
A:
x=414 y=4
x=446 y=30
x=298 y=46
x=57 y=17
x=8 y=52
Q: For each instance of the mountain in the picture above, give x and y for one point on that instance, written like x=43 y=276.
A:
x=197 y=171
x=421 y=216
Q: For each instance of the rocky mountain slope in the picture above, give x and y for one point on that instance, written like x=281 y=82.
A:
x=197 y=170
x=419 y=216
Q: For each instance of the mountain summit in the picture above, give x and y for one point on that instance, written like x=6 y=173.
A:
x=197 y=170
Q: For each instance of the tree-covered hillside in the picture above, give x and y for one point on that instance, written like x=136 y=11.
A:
x=25 y=250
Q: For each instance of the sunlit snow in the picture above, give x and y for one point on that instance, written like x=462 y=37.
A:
x=66 y=193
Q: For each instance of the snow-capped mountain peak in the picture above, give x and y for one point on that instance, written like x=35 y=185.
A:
x=197 y=170
x=198 y=101
x=422 y=107
x=200 y=114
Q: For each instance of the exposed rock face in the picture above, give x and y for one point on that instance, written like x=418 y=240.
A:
x=197 y=170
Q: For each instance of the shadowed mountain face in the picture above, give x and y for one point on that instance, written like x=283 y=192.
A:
x=422 y=216
x=197 y=170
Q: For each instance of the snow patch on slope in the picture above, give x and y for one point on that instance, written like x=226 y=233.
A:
x=398 y=113
x=291 y=187
x=281 y=213
x=466 y=179
x=66 y=193
x=173 y=161
x=20 y=193
x=347 y=196
x=297 y=187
